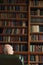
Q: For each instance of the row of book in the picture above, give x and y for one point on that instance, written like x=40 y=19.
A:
x=15 y=8
x=13 y=23
x=36 y=58
x=36 y=28
x=14 y=1
x=36 y=3
x=35 y=11
x=36 y=48
x=13 y=39
x=13 y=31
x=20 y=47
x=36 y=37
x=36 y=20
x=13 y=15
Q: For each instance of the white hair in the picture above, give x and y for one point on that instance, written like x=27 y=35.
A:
x=8 y=49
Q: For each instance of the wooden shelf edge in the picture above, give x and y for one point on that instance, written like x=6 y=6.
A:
x=11 y=42
x=22 y=52
x=36 y=53
x=31 y=62
x=12 y=4
x=12 y=11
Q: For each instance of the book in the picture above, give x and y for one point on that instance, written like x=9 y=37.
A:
x=14 y=8
x=8 y=39
x=2 y=8
x=14 y=15
x=10 y=8
x=24 y=24
x=32 y=58
x=41 y=28
x=35 y=2
x=40 y=37
x=38 y=48
x=33 y=12
x=42 y=48
x=21 y=8
x=38 y=12
x=42 y=57
x=31 y=3
x=23 y=15
x=40 y=3
x=41 y=11
x=9 y=1
x=31 y=48
x=8 y=31
x=5 y=7
x=35 y=28
x=37 y=59
x=17 y=8
x=16 y=47
x=33 y=37
x=5 y=23
x=22 y=47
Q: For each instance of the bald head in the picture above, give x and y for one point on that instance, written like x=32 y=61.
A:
x=8 y=49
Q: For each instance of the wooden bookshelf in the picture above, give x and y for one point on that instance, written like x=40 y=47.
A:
x=36 y=32
x=14 y=26
x=21 y=25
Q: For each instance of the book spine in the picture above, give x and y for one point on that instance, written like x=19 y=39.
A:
x=35 y=28
x=37 y=59
x=32 y=58
x=31 y=48
x=42 y=48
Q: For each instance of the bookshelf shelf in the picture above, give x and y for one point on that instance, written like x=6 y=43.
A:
x=12 y=4
x=13 y=35
x=36 y=23
x=36 y=16
x=17 y=42
x=41 y=41
x=37 y=33
x=12 y=11
x=10 y=19
x=34 y=62
x=6 y=11
x=36 y=6
x=24 y=53
x=36 y=53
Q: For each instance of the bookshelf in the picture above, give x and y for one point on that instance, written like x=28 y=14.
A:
x=14 y=26
x=21 y=25
x=36 y=32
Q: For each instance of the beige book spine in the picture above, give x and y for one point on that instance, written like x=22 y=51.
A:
x=37 y=59
x=35 y=28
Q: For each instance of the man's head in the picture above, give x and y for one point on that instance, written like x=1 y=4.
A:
x=8 y=49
